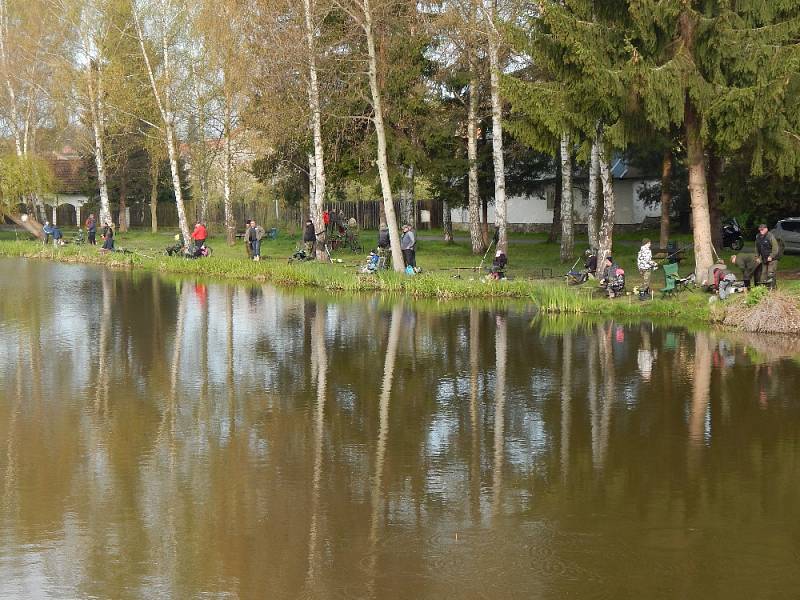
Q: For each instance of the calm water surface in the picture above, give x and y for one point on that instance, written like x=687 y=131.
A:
x=164 y=438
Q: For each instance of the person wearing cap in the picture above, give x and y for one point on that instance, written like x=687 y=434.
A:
x=408 y=245
x=748 y=264
x=767 y=249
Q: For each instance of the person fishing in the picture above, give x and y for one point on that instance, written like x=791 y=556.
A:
x=748 y=264
x=646 y=264
x=613 y=278
x=768 y=251
x=199 y=235
x=91 y=230
x=408 y=245
x=309 y=238
x=108 y=237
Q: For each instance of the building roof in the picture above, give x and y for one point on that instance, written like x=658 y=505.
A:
x=70 y=171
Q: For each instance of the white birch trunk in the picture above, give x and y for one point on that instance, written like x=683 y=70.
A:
x=594 y=177
x=605 y=241
x=12 y=98
x=567 y=226
x=317 y=197
x=96 y=111
x=165 y=109
x=497 y=141
x=154 y=196
x=230 y=226
x=383 y=168
x=475 y=232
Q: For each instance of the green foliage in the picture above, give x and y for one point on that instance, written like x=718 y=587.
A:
x=756 y=295
x=21 y=177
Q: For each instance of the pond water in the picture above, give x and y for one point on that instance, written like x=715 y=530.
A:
x=166 y=438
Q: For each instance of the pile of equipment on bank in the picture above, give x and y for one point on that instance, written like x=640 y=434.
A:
x=760 y=268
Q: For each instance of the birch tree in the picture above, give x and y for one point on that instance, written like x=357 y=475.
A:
x=495 y=70
x=317 y=167
x=165 y=19
x=361 y=11
x=567 y=209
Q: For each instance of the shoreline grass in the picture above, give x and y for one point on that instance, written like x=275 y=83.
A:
x=446 y=280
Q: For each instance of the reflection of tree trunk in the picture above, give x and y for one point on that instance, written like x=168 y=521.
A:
x=10 y=478
x=474 y=366
x=566 y=402
x=167 y=425
x=594 y=413
x=102 y=385
x=609 y=379
x=320 y=360
x=701 y=388
x=383 y=434
x=501 y=350
x=229 y=383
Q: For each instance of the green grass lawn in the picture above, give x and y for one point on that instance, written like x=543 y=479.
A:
x=450 y=270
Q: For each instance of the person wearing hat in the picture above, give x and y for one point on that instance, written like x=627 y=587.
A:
x=767 y=250
x=408 y=245
x=748 y=264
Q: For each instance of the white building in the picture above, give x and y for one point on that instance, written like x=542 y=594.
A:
x=534 y=212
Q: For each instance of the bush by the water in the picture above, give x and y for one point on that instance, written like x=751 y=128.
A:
x=765 y=312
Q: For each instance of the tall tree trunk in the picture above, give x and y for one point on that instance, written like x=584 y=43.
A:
x=605 y=238
x=315 y=206
x=12 y=99
x=666 y=197
x=383 y=167
x=695 y=154
x=407 y=199
x=594 y=179
x=168 y=118
x=497 y=140
x=474 y=203
x=96 y=112
x=447 y=222
x=123 y=199
x=567 y=226
x=715 y=166
x=698 y=192
x=485 y=221
x=227 y=201
x=555 y=226
x=154 y=172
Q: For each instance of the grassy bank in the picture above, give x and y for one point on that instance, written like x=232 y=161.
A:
x=537 y=274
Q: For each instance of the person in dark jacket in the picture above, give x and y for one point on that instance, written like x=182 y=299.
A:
x=309 y=238
x=613 y=278
x=767 y=249
x=383 y=237
x=108 y=237
x=748 y=264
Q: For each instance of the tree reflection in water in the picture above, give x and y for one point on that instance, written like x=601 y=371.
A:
x=252 y=443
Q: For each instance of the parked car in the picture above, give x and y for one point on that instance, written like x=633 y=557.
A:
x=787 y=232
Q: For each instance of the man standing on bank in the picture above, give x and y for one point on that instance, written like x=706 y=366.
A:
x=408 y=245
x=767 y=250
x=91 y=230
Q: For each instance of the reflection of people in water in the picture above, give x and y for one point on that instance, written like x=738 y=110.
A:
x=645 y=355
x=201 y=291
x=763 y=377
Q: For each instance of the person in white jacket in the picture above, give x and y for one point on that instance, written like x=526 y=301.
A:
x=645 y=263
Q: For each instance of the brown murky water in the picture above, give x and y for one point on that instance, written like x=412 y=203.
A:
x=172 y=439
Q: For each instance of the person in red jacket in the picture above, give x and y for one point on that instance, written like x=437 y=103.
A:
x=199 y=236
